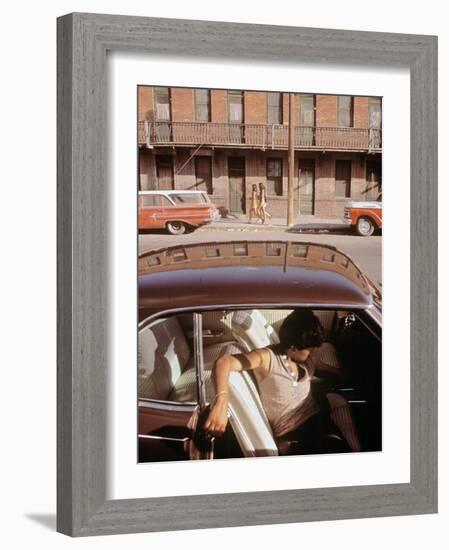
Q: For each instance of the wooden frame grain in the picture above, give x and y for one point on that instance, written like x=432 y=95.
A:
x=83 y=40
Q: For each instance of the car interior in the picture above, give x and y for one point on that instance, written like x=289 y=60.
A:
x=349 y=377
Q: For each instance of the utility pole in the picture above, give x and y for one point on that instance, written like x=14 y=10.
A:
x=291 y=158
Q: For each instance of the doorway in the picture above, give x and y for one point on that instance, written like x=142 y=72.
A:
x=373 y=186
x=306 y=187
x=164 y=171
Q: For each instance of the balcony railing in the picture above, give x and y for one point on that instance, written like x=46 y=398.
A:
x=267 y=136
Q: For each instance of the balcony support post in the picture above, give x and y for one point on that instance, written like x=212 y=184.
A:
x=291 y=159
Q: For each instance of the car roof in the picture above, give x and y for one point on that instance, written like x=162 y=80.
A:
x=171 y=192
x=244 y=273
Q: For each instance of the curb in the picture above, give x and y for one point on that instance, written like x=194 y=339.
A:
x=303 y=228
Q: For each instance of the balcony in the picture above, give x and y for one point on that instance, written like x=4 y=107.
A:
x=261 y=136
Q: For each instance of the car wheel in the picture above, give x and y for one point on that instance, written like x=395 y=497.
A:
x=365 y=227
x=176 y=228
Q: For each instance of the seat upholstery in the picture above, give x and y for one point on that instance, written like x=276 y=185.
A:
x=341 y=416
x=328 y=359
x=252 y=330
x=163 y=353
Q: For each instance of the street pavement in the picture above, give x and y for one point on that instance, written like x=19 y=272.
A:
x=366 y=252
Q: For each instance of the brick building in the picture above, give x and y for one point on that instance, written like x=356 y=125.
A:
x=224 y=141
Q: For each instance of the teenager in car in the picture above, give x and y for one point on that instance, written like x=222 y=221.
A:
x=300 y=421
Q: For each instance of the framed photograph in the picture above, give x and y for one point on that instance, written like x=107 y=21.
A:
x=247 y=289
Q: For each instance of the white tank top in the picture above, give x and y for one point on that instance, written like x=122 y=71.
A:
x=286 y=403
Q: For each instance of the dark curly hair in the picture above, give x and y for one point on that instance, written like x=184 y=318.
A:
x=301 y=329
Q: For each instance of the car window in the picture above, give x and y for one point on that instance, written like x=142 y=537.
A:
x=166 y=360
x=165 y=201
x=188 y=198
x=150 y=200
x=349 y=362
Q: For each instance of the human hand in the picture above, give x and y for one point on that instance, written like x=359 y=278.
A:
x=218 y=417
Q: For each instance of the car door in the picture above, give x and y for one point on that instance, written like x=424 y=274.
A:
x=171 y=396
x=170 y=211
x=150 y=211
x=167 y=431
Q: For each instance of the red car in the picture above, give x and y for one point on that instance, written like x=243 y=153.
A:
x=176 y=211
x=364 y=216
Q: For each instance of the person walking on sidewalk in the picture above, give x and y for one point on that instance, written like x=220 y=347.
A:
x=254 y=206
x=262 y=210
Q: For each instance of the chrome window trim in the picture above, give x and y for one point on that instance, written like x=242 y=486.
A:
x=178 y=439
x=188 y=406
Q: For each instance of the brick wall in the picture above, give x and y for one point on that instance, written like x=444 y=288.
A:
x=326 y=110
x=182 y=105
x=255 y=107
x=145 y=103
x=219 y=105
x=361 y=112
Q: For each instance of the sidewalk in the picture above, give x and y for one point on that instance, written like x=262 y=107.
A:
x=300 y=225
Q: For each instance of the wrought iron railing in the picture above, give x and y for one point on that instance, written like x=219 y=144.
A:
x=268 y=136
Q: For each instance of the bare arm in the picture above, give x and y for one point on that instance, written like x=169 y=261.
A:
x=218 y=416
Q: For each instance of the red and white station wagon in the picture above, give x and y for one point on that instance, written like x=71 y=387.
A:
x=176 y=211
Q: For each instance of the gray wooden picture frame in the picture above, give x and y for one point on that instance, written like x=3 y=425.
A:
x=83 y=40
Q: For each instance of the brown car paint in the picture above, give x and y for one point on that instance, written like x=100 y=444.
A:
x=270 y=273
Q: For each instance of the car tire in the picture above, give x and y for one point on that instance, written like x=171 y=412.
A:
x=365 y=227
x=176 y=228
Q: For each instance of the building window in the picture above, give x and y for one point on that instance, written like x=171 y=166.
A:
x=306 y=110
x=162 y=103
x=203 y=174
x=274 y=176
x=202 y=105
x=274 y=108
x=345 y=111
x=375 y=112
x=235 y=107
x=306 y=120
x=164 y=170
x=343 y=178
